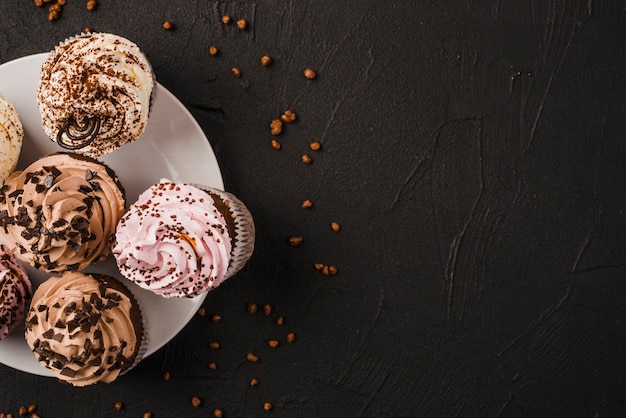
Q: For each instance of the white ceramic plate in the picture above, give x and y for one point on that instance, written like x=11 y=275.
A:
x=173 y=146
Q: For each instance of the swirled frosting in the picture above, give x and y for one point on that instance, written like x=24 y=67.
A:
x=173 y=241
x=60 y=213
x=11 y=135
x=94 y=93
x=84 y=328
x=15 y=291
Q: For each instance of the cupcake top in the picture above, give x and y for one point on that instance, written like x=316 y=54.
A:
x=94 y=93
x=84 y=328
x=60 y=213
x=174 y=241
x=15 y=291
x=11 y=135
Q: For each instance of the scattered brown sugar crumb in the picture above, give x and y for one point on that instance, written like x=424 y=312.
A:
x=267 y=309
x=35 y=416
x=335 y=226
x=213 y=50
x=252 y=308
x=280 y=320
x=22 y=411
x=218 y=413
x=254 y=381
x=306 y=204
x=226 y=19
x=288 y=117
x=236 y=72
x=118 y=406
x=201 y=311
x=252 y=357
x=212 y=365
x=147 y=415
x=242 y=24
x=91 y=5
x=87 y=30
x=167 y=25
x=38 y=3
x=326 y=270
x=276 y=127
x=291 y=337
x=273 y=343
x=216 y=318
x=266 y=60
x=275 y=144
x=32 y=408
x=166 y=376
x=315 y=146
x=306 y=159
x=196 y=402
x=54 y=11
x=267 y=406
x=309 y=73
x=295 y=241
x=214 y=345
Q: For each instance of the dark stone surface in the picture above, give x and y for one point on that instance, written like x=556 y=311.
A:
x=473 y=153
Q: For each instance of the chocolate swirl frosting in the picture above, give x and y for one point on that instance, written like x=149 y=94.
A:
x=84 y=328
x=94 y=93
x=60 y=213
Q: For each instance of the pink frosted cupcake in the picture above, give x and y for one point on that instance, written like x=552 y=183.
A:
x=180 y=240
x=15 y=291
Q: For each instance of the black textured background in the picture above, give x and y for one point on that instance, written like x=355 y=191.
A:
x=473 y=153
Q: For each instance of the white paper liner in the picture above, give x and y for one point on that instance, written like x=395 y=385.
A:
x=243 y=246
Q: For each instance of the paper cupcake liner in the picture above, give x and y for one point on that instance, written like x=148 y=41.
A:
x=244 y=229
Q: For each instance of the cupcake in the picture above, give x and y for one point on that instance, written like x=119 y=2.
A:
x=60 y=213
x=85 y=328
x=180 y=240
x=15 y=291
x=94 y=93
x=11 y=135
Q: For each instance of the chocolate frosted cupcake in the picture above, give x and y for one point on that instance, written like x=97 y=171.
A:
x=11 y=135
x=180 y=240
x=94 y=93
x=15 y=291
x=60 y=213
x=85 y=328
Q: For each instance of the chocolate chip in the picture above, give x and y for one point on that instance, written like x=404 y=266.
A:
x=68 y=372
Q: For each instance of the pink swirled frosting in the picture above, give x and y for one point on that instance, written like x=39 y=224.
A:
x=173 y=241
x=15 y=291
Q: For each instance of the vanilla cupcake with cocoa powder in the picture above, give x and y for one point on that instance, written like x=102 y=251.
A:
x=60 y=212
x=94 y=93
x=11 y=136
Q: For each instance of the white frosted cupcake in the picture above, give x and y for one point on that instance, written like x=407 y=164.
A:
x=180 y=240
x=85 y=328
x=94 y=93
x=11 y=136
